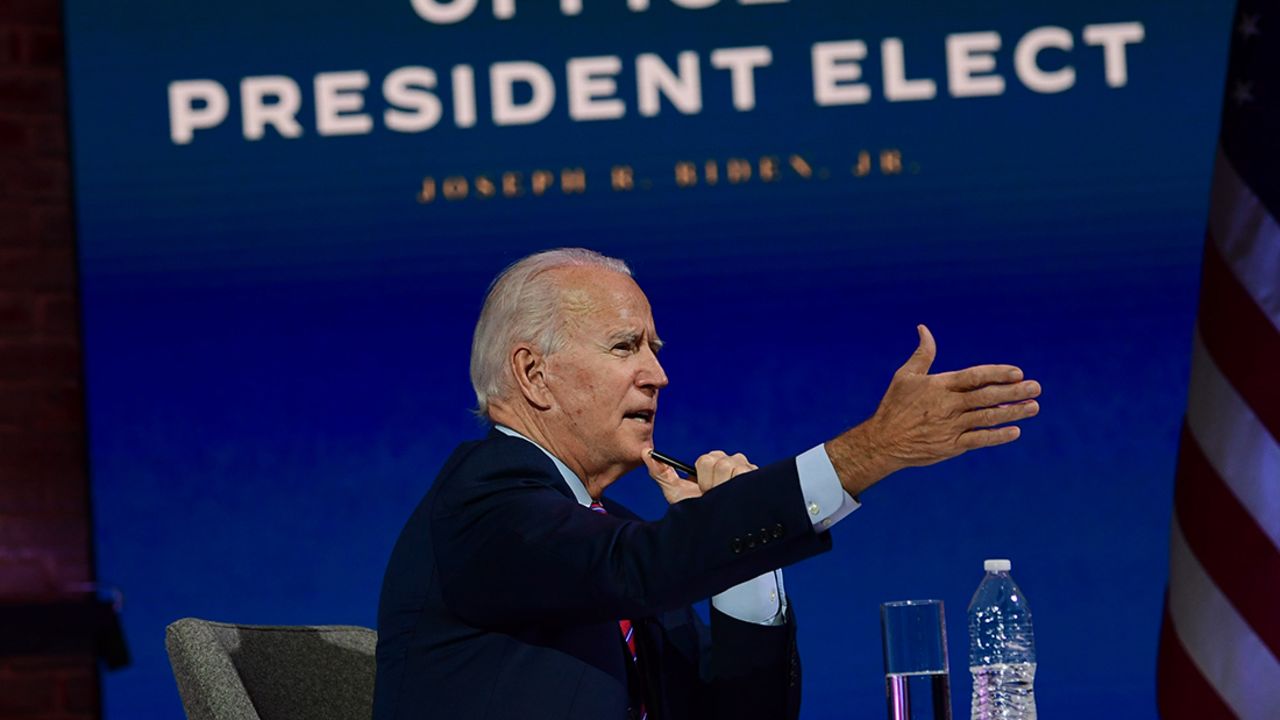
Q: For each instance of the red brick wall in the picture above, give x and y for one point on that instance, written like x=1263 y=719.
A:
x=44 y=513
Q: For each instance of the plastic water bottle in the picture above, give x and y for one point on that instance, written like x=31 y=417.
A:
x=1002 y=648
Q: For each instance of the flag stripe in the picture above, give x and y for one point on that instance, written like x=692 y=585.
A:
x=1234 y=442
x=1247 y=237
x=1235 y=552
x=1182 y=692
x=1240 y=339
x=1219 y=643
x=1222 y=615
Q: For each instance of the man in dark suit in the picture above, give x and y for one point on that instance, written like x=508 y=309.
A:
x=517 y=590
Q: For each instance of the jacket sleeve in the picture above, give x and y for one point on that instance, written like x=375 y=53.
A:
x=512 y=549
x=755 y=669
x=733 y=670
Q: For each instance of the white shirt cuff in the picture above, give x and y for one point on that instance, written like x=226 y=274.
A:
x=760 y=600
x=825 y=500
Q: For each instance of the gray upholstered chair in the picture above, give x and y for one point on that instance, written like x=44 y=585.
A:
x=264 y=672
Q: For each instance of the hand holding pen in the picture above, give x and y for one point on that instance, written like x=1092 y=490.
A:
x=707 y=472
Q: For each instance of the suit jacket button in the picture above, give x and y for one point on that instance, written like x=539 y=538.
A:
x=777 y=531
x=751 y=540
x=736 y=545
x=764 y=535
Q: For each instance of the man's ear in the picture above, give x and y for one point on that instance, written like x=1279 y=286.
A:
x=529 y=368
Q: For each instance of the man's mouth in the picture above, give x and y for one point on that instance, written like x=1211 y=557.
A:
x=645 y=416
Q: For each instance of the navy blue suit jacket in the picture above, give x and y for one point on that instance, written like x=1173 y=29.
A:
x=502 y=596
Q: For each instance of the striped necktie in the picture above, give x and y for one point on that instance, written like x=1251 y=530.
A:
x=628 y=631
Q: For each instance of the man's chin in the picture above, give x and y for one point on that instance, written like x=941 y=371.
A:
x=638 y=445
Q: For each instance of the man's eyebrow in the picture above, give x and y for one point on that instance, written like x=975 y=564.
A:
x=633 y=336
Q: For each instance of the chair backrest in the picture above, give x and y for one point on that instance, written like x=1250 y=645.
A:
x=264 y=672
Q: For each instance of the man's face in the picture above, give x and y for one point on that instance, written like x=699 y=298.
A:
x=605 y=381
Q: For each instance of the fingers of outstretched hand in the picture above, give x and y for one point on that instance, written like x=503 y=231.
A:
x=990 y=417
x=980 y=376
x=992 y=395
x=922 y=359
x=988 y=437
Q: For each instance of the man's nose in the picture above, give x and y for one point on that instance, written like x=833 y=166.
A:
x=653 y=375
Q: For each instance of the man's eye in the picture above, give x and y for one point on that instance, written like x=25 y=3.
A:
x=624 y=347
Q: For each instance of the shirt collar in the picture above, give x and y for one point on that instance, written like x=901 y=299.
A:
x=575 y=485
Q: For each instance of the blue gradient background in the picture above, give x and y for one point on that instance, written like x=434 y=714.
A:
x=277 y=333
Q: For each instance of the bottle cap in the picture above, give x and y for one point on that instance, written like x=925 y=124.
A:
x=996 y=565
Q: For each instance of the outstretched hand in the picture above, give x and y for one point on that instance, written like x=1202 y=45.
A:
x=924 y=419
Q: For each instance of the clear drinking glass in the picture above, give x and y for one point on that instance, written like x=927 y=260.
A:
x=915 y=660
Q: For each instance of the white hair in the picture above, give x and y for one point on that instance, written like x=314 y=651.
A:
x=522 y=305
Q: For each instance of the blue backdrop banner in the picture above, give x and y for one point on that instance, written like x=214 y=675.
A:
x=289 y=212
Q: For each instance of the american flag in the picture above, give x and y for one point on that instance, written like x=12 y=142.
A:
x=1219 y=651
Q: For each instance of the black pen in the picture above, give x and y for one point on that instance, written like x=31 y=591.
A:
x=683 y=467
